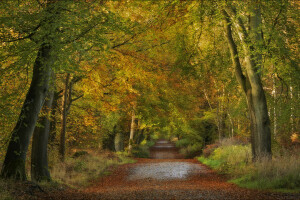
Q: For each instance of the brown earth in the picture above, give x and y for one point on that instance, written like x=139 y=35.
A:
x=197 y=182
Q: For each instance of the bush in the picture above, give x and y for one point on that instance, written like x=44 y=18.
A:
x=209 y=149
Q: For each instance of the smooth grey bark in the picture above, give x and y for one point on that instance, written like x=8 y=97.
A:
x=39 y=153
x=14 y=163
x=251 y=83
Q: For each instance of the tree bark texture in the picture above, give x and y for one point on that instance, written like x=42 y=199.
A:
x=14 y=163
x=251 y=82
x=39 y=155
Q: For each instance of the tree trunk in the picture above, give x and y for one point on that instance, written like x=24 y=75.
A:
x=53 y=121
x=251 y=84
x=292 y=124
x=253 y=64
x=274 y=92
x=14 y=163
x=132 y=129
x=231 y=130
x=119 y=141
x=62 y=147
x=39 y=156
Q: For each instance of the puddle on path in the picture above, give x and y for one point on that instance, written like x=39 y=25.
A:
x=165 y=171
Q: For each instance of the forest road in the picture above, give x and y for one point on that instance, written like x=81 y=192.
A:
x=166 y=175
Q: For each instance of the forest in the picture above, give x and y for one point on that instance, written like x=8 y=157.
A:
x=85 y=85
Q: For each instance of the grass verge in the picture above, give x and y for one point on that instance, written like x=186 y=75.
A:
x=281 y=174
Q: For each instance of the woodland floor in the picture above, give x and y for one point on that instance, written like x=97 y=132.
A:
x=163 y=179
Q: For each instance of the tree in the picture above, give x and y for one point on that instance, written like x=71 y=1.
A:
x=251 y=82
x=66 y=106
x=14 y=163
x=48 y=26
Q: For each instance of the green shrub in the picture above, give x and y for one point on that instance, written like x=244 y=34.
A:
x=183 y=143
x=215 y=164
x=209 y=149
x=233 y=158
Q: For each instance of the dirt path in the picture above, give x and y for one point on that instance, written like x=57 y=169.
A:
x=165 y=178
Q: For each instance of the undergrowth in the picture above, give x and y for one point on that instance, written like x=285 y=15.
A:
x=4 y=190
x=282 y=173
x=75 y=172
x=188 y=147
x=142 y=150
x=79 y=171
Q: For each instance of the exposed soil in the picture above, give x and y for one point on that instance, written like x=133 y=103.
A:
x=164 y=178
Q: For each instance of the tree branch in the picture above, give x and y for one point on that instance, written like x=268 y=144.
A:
x=123 y=43
x=234 y=52
x=76 y=98
x=29 y=36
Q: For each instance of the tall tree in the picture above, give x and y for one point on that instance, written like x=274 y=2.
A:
x=52 y=27
x=251 y=82
x=14 y=163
